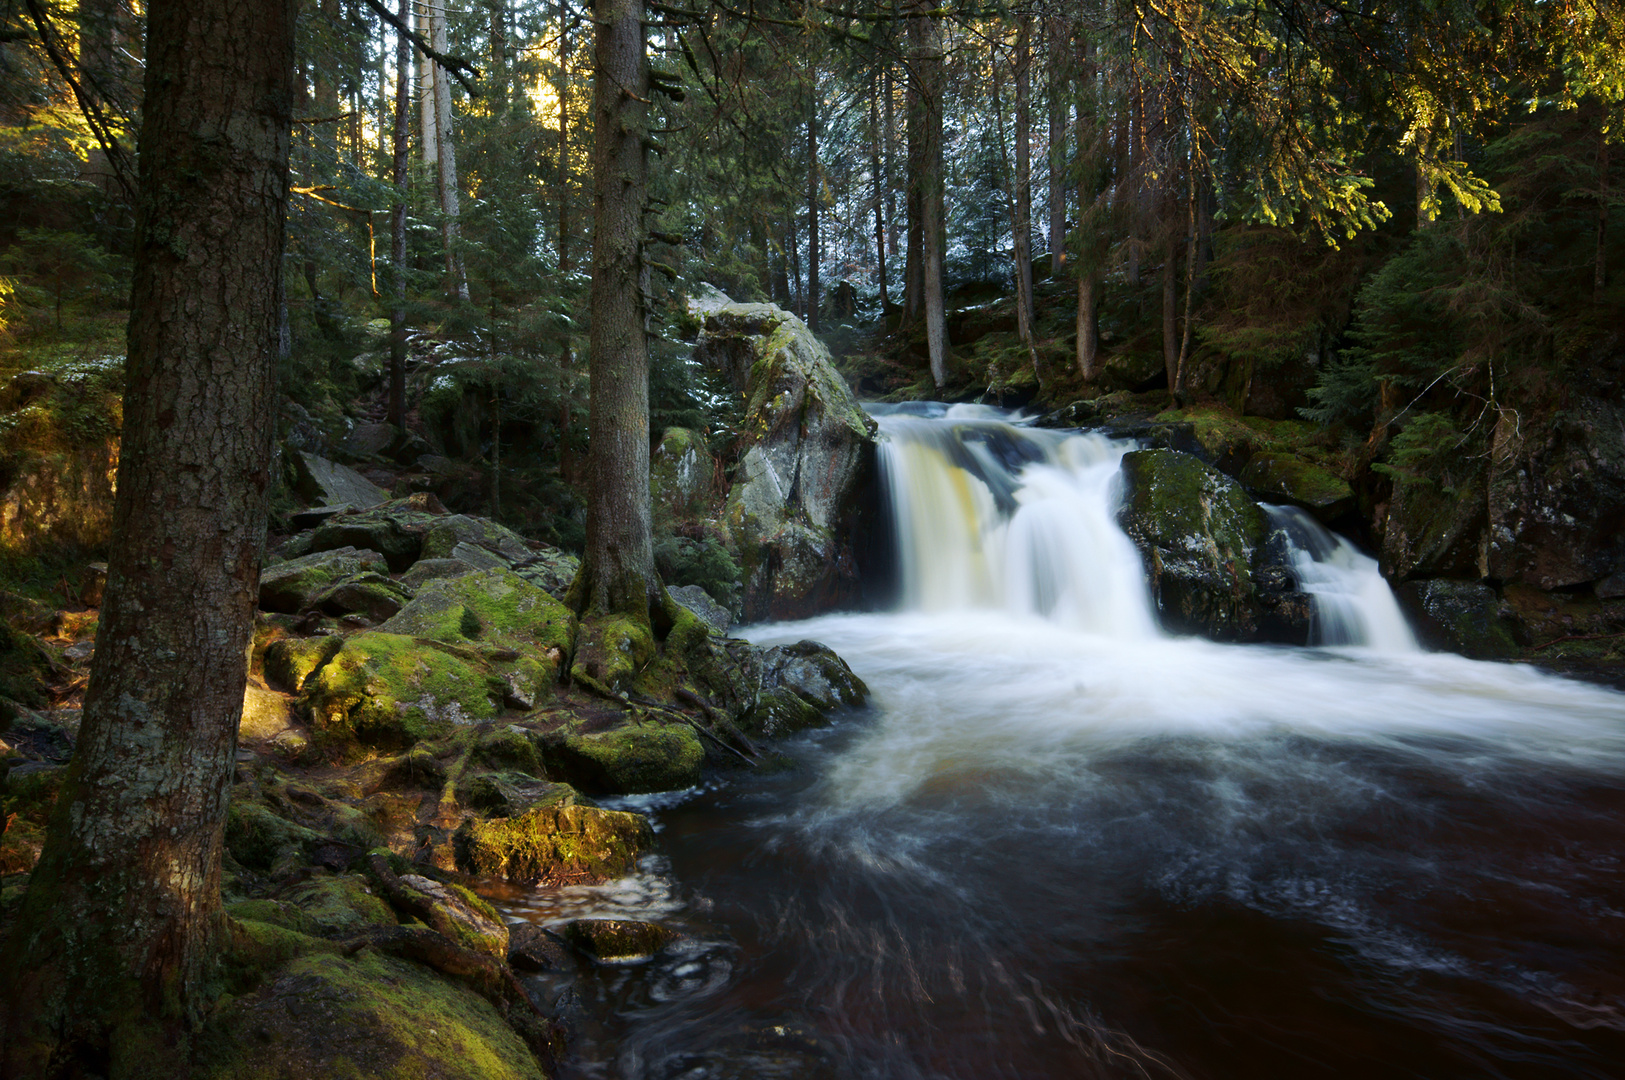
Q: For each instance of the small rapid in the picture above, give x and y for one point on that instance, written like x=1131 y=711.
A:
x=1061 y=843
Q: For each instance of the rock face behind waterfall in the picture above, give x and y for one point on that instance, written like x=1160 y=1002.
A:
x=807 y=452
x=1212 y=562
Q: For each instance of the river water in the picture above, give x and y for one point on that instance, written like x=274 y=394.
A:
x=1060 y=843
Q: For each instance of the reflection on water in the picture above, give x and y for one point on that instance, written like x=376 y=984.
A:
x=1052 y=849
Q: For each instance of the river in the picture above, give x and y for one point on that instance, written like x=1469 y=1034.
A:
x=1060 y=843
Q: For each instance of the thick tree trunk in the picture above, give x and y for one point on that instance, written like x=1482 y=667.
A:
x=401 y=152
x=812 y=208
x=119 y=936
x=925 y=33
x=1056 y=31
x=446 y=158
x=617 y=590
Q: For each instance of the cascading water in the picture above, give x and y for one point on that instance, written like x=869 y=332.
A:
x=1062 y=844
x=1353 y=603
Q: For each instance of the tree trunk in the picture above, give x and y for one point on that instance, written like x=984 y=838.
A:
x=1170 y=314
x=1023 y=238
x=401 y=153
x=1056 y=31
x=1599 y=272
x=617 y=590
x=887 y=167
x=1012 y=203
x=812 y=208
x=119 y=937
x=1088 y=336
x=880 y=193
x=914 y=118
x=446 y=159
x=430 y=140
x=925 y=33
x=1180 y=393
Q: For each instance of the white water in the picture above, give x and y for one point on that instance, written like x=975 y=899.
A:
x=1353 y=603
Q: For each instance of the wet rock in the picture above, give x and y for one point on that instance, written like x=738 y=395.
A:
x=531 y=948
x=368 y=1015
x=292 y=587
x=798 y=686
x=427 y=570
x=1460 y=616
x=700 y=603
x=681 y=472
x=550 y=570
x=456 y=912
x=554 y=843
x=621 y=941
x=807 y=451
x=652 y=755
x=1287 y=478
x=1199 y=534
x=330 y=484
x=1430 y=531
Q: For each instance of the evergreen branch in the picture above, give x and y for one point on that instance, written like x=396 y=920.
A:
x=92 y=112
x=454 y=65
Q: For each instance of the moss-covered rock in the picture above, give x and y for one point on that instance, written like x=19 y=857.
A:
x=1430 y=531
x=444 y=537
x=681 y=472
x=458 y=913
x=612 y=651
x=259 y=838
x=370 y=1016
x=650 y=755
x=293 y=586
x=800 y=685
x=266 y=715
x=1461 y=616
x=508 y=748
x=394 y=529
x=373 y=595
x=509 y=794
x=557 y=843
x=426 y=570
x=520 y=632
x=1286 y=478
x=808 y=449
x=289 y=661
x=338 y=905
x=388 y=690
x=1199 y=534
x=618 y=940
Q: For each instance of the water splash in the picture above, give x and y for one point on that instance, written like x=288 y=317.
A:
x=1353 y=603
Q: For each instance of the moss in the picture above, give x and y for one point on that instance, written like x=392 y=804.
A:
x=370 y=1016
x=611 y=650
x=385 y=690
x=509 y=793
x=508 y=747
x=292 y=587
x=338 y=905
x=24 y=667
x=274 y=913
x=1296 y=480
x=447 y=533
x=257 y=837
x=554 y=844
x=651 y=755
x=618 y=940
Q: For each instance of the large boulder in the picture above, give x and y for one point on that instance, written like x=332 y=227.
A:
x=1206 y=546
x=652 y=755
x=1289 y=478
x=396 y=529
x=386 y=690
x=807 y=451
x=681 y=476
x=1460 y=616
x=330 y=484
x=295 y=585
x=557 y=841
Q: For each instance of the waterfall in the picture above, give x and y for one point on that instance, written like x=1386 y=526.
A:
x=1353 y=603
x=994 y=515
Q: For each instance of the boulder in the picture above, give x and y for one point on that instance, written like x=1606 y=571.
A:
x=426 y=570
x=522 y=634
x=550 y=570
x=1289 y=478
x=1428 y=530
x=807 y=451
x=369 y=1015
x=328 y=483
x=393 y=529
x=292 y=587
x=289 y=661
x=560 y=842
x=338 y=905
x=444 y=537
x=386 y=690
x=1200 y=535
x=531 y=948
x=620 y=941
x=798 y=686
x=700 y=603
x=681 y=470
x=1459 y=616
x=370 y=594
x=654 y=755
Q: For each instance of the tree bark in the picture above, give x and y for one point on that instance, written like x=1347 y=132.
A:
x=812 y=207
x=914 y=142
x=446 y=158
x=401 y=152
x=118 y=939
x=430 y=140
x=1023 y=238
x=1170 y=314
x=880 y=193
x=1056 y=30
x=617 y=590
x=925 y=33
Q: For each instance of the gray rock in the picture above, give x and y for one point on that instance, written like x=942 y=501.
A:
x=395 y=529
x=370 y=594
x=292 y=587
x=808 y=452
x=1459 y=616
x=700 y=603
x=531 y=948
x=369 y=440
x=463 y=529
x=478 y=557
x=322 y=481
x=426 y=570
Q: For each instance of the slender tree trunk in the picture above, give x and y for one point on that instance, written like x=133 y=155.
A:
x=880 y=192
x=1056 y=31
x=1012 y=203
x=795 y=272
x=1086 y=136
x=925 y=32
x=498 y=34
x=119 y=938
x=401 y=155
x=1170 y=314
x=914 y=117
x=446 y=160
x=430 y=139
x=1180 y=393
x=1599 y=273
x=617 y=590
x=812 y=207
x=1024 y=175
x=887 y=165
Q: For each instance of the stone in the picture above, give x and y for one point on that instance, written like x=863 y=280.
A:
x=394 y=529
x=292 y=587
x=427 y=570
x=259 y=838
x=459 y=914
x=449 y=532
x=521 y=633
x=289 y=661
x=681 y=469
x=531 y=948
x=338 y=905
x=328 y=483
x=366 y=1015
x=549 y=569
x=1459 y=616
x=1429 y=531
x=652 y=755
x=807 y=453
x=385 y=690
x=1200 y=535
x=369 y=440
x=699 y=601
x=370 y=594
x=799 y=686
x=618 y=941
x=551 y=844
x=266 y=714
x=1288 y=478
x=510 y=794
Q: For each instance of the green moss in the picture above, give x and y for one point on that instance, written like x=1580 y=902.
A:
x=1292 y=478
x=290 y=661
x=24 y=667
x=554 y=844
x=339 y=905
x=618 y=940
x=274 y=913
x=508 y=747
x=645 y=756
x=384 y=690
x=369 y=1016
x=257 y=837
x=611 y=650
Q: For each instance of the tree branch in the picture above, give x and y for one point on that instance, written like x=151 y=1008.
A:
x=116 y=157
x=456 y=65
